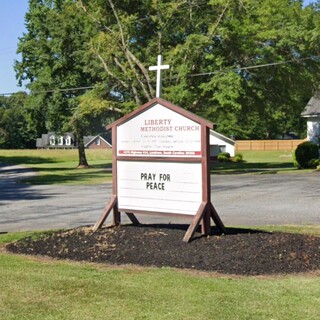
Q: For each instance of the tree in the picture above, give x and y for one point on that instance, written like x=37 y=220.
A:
x=212 y=47
x=54 y=59
x=247 y=65
x=15 y=131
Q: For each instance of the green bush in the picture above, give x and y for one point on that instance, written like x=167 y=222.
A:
x=238 y=157
x=224 y=157
x=304 y=154
x=313 y=163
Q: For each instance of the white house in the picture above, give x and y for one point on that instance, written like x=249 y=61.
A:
x=312 y=114
x=219 y=143
x=52 y=140
x=56 y=141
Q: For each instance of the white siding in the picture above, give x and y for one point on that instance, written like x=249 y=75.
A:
x=218 y=145
x=313 y=127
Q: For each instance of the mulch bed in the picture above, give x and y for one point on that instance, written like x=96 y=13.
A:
x=240 y=251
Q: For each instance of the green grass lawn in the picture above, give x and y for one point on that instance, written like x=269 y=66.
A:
x=258 y=162
x=60 y=166
x=37 y=288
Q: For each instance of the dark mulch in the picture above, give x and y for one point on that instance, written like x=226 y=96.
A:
x=240 y=251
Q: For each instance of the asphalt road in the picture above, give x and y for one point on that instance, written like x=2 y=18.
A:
x=242 y=199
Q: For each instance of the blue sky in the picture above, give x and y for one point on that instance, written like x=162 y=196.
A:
x=12 y=27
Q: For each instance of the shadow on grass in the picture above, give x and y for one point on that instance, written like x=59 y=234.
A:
x=26 y=160
x=70 y=176
x=74 y=168
x=53 y=172
x=105 y=166
x=246 y=167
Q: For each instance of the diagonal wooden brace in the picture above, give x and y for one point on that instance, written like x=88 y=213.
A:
x=195 y=223
x=112 y=205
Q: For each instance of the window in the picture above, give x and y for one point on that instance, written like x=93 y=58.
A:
x=52 y=140
x=98 y=141
x=68 y=140
x=60 y=141
x=222 y=148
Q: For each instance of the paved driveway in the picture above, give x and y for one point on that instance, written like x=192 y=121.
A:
x=267 y=198
x=244 y=199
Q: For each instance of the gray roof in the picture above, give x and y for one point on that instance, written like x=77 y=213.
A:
x=222 y=137
x=88 y=139
x=313 y=107
x=105 y=137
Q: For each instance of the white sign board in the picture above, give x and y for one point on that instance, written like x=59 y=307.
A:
x=166 y=187
x=159 y=131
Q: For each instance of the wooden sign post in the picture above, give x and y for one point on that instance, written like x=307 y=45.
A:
x=161 y=166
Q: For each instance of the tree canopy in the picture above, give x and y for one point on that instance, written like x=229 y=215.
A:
x=15 y=132
x=249 y=66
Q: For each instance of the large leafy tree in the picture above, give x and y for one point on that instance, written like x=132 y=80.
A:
x=247 y=65
x=55 y=60
x=212 y=47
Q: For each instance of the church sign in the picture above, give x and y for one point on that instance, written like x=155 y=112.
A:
x=159 y=131
x=161 y=166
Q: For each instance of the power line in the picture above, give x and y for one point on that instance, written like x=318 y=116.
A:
x=51 y=90
x=230 y=69
x=63 y=90
x=254 y=67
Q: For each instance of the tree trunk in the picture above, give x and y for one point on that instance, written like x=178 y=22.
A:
x=81 y=150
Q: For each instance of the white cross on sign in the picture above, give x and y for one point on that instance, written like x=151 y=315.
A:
x=158 y=68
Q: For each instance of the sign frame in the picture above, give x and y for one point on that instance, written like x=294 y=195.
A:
x=205 y=211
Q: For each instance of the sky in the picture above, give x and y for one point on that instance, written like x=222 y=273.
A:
x=12 y=27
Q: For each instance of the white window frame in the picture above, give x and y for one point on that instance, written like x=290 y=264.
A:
x=60 y=141
x=68 y=141
x=52 y=140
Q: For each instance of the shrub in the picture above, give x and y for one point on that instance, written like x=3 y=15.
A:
x=304 y=153
x=224 y=157
x=238 y=157
x=313 y=163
